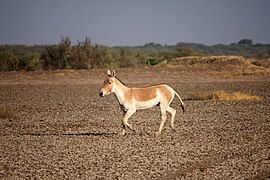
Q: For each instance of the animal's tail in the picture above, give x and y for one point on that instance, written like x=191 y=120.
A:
x=182 y=103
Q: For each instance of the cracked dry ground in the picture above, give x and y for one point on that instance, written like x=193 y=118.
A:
x=66 y=131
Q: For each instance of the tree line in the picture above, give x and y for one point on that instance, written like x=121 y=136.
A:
x=86 y=55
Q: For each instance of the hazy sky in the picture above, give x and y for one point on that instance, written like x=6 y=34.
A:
x=134 y=22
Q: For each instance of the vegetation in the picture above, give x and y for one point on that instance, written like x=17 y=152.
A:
x=223 y=96
x=86 y=55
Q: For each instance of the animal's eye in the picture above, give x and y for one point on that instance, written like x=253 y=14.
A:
x=110 y=82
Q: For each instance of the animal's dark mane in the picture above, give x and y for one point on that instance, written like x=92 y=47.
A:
x=120 y=81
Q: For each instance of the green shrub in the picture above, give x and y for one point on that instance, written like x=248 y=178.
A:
x=128 y=58
x=84 y=55
x=29 y=62
x=153 y=59
x=57 y=56
x=8 y=61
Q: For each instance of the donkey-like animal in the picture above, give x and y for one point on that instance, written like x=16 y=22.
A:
x=132 y=99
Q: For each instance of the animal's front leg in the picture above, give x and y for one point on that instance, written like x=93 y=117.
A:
x=125 y=121
x=123 y=130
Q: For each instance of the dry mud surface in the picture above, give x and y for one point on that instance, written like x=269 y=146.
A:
x=64 y=130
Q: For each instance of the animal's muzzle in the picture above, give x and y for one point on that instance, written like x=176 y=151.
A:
x=101 y=94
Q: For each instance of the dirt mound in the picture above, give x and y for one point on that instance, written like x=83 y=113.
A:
x=213 y=60
x=217 y=65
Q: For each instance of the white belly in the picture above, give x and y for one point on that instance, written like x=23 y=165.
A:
x=146 y=104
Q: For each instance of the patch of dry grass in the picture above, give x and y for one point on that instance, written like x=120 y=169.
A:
x=6 y=112
x=223 y=96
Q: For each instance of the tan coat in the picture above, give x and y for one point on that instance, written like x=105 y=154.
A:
x=132 y=99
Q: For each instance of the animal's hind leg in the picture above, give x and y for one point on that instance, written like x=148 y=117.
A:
x=173 y=112
x=163 y=120
x=125 y=121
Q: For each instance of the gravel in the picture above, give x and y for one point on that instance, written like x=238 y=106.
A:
x=66 y=131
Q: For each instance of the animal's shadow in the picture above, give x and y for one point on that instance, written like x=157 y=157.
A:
x=90 y=134
x=98 y=134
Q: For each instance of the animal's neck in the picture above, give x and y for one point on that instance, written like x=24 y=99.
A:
x=120 y=91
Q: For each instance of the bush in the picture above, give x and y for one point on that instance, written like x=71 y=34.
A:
x=57 y=56
x=128 y=58
x=153 y=59
x=105 y=59
x=8 y=61
x=29 y=62
x=84 y=55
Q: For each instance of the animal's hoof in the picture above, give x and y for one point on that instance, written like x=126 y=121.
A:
x=131 y=128
x=157 y=133
x=123 y=133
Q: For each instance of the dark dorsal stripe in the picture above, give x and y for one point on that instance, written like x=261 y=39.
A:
x=120 y=80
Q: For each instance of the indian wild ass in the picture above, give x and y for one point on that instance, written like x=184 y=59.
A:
x=132 y=99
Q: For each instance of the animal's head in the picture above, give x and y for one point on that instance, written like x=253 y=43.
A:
x=109 y=84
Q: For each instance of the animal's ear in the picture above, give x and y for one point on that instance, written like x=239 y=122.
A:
x=109 y=73
x=113 y=73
